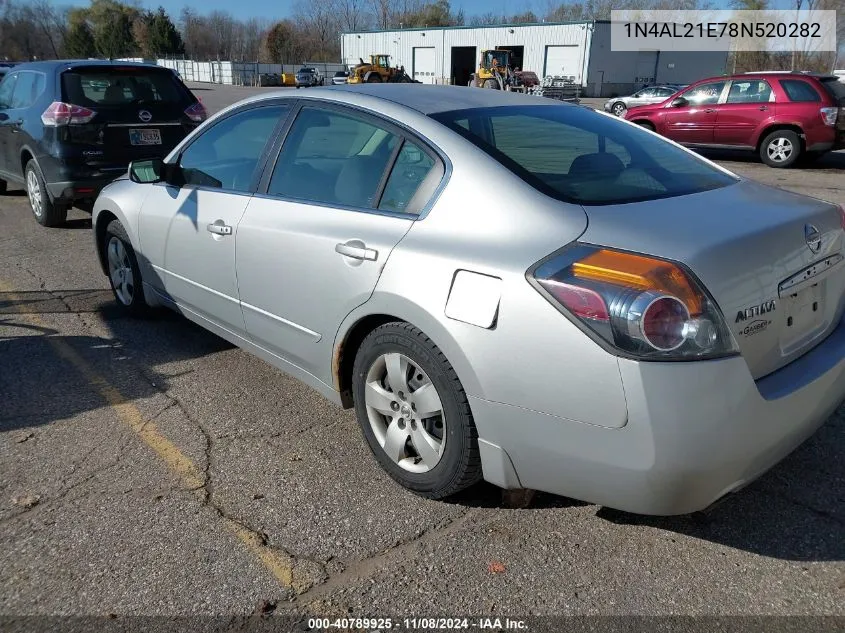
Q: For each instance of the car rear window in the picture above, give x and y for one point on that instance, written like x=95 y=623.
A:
x=577 y=155
x=800 y=91
x=835 y=88
x=106 y=86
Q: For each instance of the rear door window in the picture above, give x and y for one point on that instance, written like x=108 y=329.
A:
x=412 y=167
x=7 y=89
x=28 y=88
x=800 y=91
x=750 y=91
x=333 y=158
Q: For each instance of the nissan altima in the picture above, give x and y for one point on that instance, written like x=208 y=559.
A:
x=506 y=288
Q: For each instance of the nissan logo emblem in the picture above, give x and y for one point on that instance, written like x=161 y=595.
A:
x=813 y=238
x=145 y=116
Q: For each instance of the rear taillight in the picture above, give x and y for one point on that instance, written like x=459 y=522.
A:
x=66 y=114
x=643 y=306
x=829 y=115
x=196 y=112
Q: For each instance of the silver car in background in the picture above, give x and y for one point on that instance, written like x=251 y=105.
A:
x=506 y=288
x=646 y=96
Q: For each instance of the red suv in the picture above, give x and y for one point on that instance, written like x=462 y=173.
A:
x=782 y=116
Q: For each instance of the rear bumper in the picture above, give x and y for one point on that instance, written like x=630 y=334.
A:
x=695 y=432
x=68 y=182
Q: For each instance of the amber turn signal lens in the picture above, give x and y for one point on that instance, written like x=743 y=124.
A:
x=641 y=272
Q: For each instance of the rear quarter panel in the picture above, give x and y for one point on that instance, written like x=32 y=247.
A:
x=532 y=356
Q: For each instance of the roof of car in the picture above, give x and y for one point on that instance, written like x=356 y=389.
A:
x=54 y=64
x=429 y=99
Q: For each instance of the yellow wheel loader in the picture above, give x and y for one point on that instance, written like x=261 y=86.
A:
x=495 y=72
x=377 y=71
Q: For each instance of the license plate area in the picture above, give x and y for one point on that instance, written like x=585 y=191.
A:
x=148 y=136
x=804 y=316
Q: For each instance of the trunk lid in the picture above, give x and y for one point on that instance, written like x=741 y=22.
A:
x=750 y=245
x=140 y=113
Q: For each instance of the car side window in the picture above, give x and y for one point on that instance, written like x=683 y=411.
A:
x=750 y=91
x=225 y=156
x=7 y=88
x=705 y=94
x=646 y=93
x=412 y=167
x=27 y=89
x=800 y=91
x=333 y=158
x=665 y=92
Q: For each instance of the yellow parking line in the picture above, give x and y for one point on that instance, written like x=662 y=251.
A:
x=280 y=565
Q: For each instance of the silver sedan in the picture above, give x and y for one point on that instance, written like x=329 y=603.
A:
x=523 y=291
x=646 y=96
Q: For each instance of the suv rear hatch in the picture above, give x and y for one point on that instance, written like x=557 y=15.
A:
x=139 y=112
x=753 y=247
x=836 y=90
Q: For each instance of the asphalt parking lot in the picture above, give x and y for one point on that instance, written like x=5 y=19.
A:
x=150 y=468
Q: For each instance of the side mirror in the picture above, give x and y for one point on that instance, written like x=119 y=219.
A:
x=679 y=102
x=146 y=171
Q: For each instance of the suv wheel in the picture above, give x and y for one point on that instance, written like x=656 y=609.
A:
x=618 y=108
x=781 y=148
x=46 y=211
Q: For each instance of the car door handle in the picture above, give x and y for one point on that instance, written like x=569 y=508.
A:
x=356 y=252
x=764 y=107
x=709 y=110
x=218 y=228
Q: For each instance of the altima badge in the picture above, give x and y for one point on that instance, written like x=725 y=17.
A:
x=813 y=237
x=145 y=116
x=755 y=311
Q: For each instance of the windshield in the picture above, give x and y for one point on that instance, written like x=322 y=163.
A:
x=110 y=86
x=501 y=58
x=577 y=155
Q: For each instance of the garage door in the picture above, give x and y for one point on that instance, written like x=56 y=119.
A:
x=424 y=65
x=563 y=61
x=646 y=67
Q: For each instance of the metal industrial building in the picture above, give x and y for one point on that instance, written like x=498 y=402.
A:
x=580 y=50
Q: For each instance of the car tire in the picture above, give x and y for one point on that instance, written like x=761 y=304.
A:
x=618 y=108
x=47 y=212
x=447 y=464
x=781 y=148
x=123 y=271
x=3 y=187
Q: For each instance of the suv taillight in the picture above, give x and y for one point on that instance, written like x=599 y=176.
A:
x=829 y=115
x=648 y=308
x=196 y=112
x=59 y=113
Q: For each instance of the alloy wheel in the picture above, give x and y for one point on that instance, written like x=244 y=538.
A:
x=405 y=412
x=780 y=149
x=33 y=191
x=120 y=271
